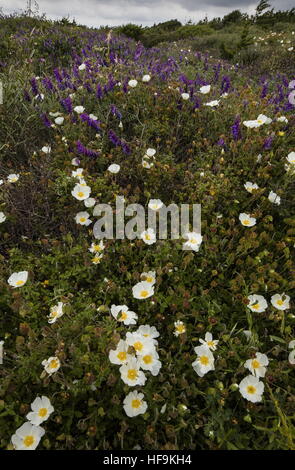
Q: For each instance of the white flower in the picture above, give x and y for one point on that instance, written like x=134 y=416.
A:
x=247 y=220
x=146 y=164
x=96 y=248
x=257 y=365
x=132 y=83
x=114 y=168
x=89 y=202
x=75 y=161
x=148 y=236
x=179 y=328
x=280 y=301
x=257 y=303
x=141 y=344
x=142 y=290
x=82 y=67
x=134 y=404
x=251 y=124
x=18 y=279
x=149 y=277
x=59 y=121
x=193 y=242
x=291 y=357
x=251 y=388
x=1 y=182
x=150 y=152
x=262 y=119
x=93 y=117
x=55 y=114
x=81 y=192
x=185 y=96
x=146 y=78
x=250 y=186
x=282 y=119
x=131 y=374
x=82 y=218
x=51 y=365
x=204 y=362
x=212 y=103
x=46 y=149
x=209 y=341
x=274 y=198
x=150 y=361
x=123 y=314
x=148 y=332
x=79 y=109
x=41 y=410
x=291 y=158
x=13 y=178
x=2 y=217
x=120 y=355
x=77 y=173
x=27 y=437
x=205 y=89
x=155 y=204
x=55 y=312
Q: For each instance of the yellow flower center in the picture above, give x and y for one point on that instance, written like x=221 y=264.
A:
x=42 y=412
x=148 y=359
x=122 y=355
x=53 y=364
x=138 y=346
x=97 y=248
x=147 y=237
x=255 y=364
x=149 y=279
x=251 y=389
x=135 y=403
x=144 y=293
x=29 y=441
x=280 y=302
x=82 y=219
x=180 y=328
x=256 y=306
x=96 y=259
x=210 y=343
x=132 y=374
x=246 y=222
x=123 y=316
x=80 y=194
x=19 y=283
x=53 y=314
x=204 y=360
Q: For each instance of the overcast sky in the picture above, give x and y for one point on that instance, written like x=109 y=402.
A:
x=145 y=12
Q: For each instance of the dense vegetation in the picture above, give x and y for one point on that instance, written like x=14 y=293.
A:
x=75 y=96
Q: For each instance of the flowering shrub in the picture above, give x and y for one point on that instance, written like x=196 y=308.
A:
x=103 y=339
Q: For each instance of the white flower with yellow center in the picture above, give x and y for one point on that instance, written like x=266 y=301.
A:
x=55 y=312
x=149 y=277
x=247 y=220
x=274 y=198
x=262 y=119
x=77 y=173
x=291 y=158
x=97 y=247
x=282 y=119
x=257 y=303
x=13 y=178
x=204 y=362
x=82 y=218
x=251 y=124
x=150 y=361
x=18 y=279
x=51 y=365
x=155 y=204
x=81 y=192
x=2 y=217
x=134 y=404
x=209 y=341
x=41 y=410
x=120 y=355
x=145 y=163
x=27 y=437
x=148 y=236
x=123 y=314
x=280 y=301
x=205 y=89
x=257 y=365
x=97 y=258
x=142 y=290
x=131 y=374
x=149 y=332
x=140 y=344
x=251 y=388
x=180 y=328
x=193 y=242
x=250 y=186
